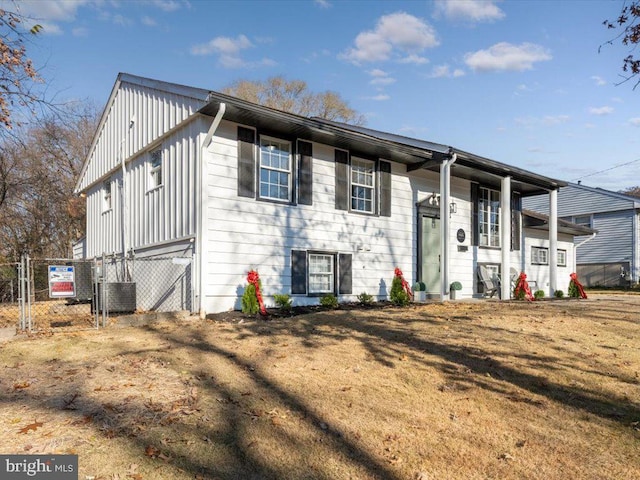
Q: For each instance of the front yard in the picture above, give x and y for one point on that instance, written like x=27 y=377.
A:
x=470 y=390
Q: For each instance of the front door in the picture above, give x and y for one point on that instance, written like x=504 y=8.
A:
x=430 y=254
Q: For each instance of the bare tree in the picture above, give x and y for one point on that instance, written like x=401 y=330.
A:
x=632 y=191
x=629 y=24
x=38 y=169
x=18 y=77
x=293 y=96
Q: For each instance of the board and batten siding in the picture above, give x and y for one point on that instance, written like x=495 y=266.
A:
x=155 y=215
x=155 y=113
x=245 y=233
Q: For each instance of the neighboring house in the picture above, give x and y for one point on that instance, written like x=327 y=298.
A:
x=612 y=257
x=315 y=206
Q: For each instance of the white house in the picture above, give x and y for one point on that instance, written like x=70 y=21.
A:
x=314 y=206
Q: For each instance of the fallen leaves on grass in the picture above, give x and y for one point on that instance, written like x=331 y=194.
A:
x=32 y=426
x=21 y=385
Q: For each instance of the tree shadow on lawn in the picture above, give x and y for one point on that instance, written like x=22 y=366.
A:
x=387 y=341
x=230 y=432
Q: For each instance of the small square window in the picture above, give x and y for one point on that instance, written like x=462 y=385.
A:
x=562 y=258
x=584 y=220
x=539 y=255
x=155 y=169
x=106 y=196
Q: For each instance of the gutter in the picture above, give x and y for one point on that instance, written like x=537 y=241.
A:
x=203 y=197
x=575 y=249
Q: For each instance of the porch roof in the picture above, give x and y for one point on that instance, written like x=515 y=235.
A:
x=414 y=153
x=540 y=221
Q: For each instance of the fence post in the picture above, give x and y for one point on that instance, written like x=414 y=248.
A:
x=21 y=293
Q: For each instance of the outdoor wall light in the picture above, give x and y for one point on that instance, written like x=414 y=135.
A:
x=453 y=207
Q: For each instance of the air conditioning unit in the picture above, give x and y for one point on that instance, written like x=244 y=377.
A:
x=120 y=297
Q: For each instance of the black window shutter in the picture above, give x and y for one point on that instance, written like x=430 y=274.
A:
x=342 y=180
x=385 y=189
x=246 y=162
x=344 y=270
x=475 y=221
x=516 y=220
x=305 y=173
x=298 y=272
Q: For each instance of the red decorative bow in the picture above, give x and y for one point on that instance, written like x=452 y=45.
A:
x=405 y=285
x=254 y=279
x=523 y=286
x=574 y=279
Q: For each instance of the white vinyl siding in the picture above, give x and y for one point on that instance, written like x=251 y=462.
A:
x=362 y=185
x=321 y=273
x=489 y=211
x=275 y=169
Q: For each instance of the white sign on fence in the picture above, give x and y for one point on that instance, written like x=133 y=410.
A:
x=62 y=281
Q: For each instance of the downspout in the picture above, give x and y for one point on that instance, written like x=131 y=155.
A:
x=203 y=197
x=125 y=211
x=445 y=222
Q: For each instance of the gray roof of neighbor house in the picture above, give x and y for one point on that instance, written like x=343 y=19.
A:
x=412 y=152
x=540 y=221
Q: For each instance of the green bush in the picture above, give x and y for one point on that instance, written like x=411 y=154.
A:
x=365 y=299
x=398 y=294
x=283 y=301
x=573 y=291
x=456 y=286
x=329 y=301
x=558 y=294
x=538 y=294
x=419 y=287
x=250 y=304
x=519 y=294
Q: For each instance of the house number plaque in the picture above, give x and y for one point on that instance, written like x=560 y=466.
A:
x=461 y=235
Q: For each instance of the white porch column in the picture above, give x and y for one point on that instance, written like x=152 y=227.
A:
x=445 y=222
x=505 y=238
x=553 y=242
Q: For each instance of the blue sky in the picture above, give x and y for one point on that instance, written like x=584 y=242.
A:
x=521 y=82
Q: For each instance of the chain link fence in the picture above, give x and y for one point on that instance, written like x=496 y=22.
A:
x=61 y=293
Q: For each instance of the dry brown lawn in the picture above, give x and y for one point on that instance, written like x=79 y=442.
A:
x=547 y=390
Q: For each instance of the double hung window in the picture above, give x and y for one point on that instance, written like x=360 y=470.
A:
x=362 y=185
x=275 y=169
x=155 y=168
x=321 y=273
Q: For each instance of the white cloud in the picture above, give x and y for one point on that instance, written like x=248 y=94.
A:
x=383 y=81
x=222 y=45
x=80 y=32
x=599 y=80
x=322 y=3
x=444 y=71
x=380 y=98
x=606 y=110
x=49 y=14
x=167 y=5
x=555 y=119
x=507 y=57
x=121 y=20
x=396 y=34
x=148 y=21
x=376 y=72
x=469 y=10
x=415 y=59
x=635 y=121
